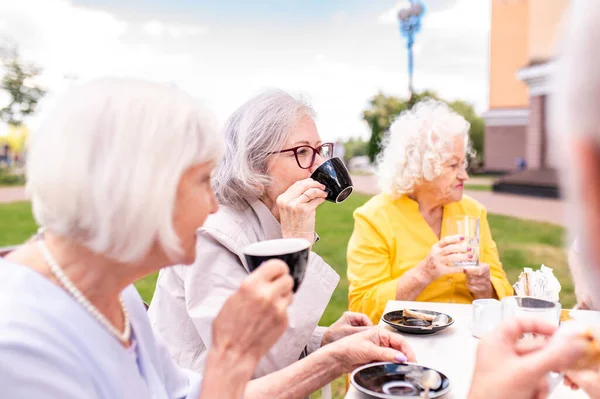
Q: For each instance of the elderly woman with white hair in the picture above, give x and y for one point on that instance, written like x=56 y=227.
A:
x=116 y=207
x=264 y=188
x=399 y=249
x=576 y=140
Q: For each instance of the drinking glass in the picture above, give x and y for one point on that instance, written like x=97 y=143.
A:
x=528 y=307
x=468 y=227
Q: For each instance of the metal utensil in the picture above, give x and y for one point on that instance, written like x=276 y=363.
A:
x=430 y=379
x=440 y=320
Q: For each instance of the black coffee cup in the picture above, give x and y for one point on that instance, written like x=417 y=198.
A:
x=293 y=251
x=336 y=178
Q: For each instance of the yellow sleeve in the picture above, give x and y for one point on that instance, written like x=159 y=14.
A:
x=489 y=255
x=369 y=268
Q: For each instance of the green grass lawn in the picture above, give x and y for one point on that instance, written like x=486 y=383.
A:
x=478 y=187
x=8 y=178
x=521 y=244
x=16 y=223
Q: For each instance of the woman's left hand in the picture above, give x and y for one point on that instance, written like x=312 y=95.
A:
x=350 y=323
x=478 y=281
x=373 y=345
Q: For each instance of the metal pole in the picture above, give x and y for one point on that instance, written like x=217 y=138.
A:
x=409 y=45
x=410 y=25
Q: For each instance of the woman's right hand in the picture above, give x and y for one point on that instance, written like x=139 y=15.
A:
x=442 y=255
x=297 y=209
x=255 y=316
x=249 y=323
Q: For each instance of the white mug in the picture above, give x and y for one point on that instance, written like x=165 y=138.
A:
x=487 y=315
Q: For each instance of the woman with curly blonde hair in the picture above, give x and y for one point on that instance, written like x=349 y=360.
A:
x=399 y=249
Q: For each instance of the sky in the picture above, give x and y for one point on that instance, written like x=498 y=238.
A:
x=336 y=54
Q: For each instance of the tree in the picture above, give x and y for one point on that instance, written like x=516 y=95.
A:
x=384 y=109
x=381 y=113
x=18 y=82
x=477 y=124
x=355 y=146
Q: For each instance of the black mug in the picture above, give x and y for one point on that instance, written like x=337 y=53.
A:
x=293 y=251
x=336 y=178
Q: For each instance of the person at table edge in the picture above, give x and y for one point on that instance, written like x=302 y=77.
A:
x=399 y=249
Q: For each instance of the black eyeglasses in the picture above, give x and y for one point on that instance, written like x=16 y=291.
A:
x=305 y=154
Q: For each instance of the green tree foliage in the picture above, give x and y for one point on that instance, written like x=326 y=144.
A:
x=355 y=146
x=18 y=81
x=382 y=111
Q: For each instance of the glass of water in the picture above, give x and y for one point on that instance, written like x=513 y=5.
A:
x=468 y=227
x=533 y=308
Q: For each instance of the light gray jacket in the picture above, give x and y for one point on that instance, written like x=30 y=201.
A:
x=188 y=298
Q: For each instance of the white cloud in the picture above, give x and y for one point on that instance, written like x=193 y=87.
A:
x=338 y=64
x=157 y=28
x=339 y=17
x=390 y=16
x=154 y=28
x=465 y=15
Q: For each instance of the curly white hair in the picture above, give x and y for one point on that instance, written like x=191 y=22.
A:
x=418 y=143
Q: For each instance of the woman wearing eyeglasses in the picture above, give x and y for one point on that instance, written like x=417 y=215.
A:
x=265 y=192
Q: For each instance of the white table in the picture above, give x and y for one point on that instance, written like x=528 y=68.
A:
x=452 y=351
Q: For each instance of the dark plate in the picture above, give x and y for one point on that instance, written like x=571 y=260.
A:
x=396 y=320
x=394 y=381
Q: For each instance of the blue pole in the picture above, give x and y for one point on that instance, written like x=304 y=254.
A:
x=409 y=45
x=410 y=25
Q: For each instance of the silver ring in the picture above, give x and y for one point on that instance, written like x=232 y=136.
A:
x=307 y=196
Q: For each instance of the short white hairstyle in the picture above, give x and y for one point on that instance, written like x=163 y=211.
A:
x=418 y=143
x=104 y=166
x=252 y=133
x=575 y=112
x=577 y=76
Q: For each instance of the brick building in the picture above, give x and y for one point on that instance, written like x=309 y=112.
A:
x=522 y=44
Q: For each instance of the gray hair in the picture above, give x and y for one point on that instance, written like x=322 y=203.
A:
x=252 y=133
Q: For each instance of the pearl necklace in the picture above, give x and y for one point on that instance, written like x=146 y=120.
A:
x=124 y=336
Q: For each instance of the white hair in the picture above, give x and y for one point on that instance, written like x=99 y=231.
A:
x=577 y=78
x=418 y=143
x=104 y=166
x=575 y=111
x=252 y=133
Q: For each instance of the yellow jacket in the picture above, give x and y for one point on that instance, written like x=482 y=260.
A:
x=391 y=237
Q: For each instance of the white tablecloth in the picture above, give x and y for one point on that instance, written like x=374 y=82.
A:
x=452 y=351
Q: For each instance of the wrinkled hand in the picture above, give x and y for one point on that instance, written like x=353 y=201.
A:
x=297 y=209
x=588 y=380
x=442 y=255
x=372 y=345
x=519 y=367
x=350 y=323
x=478 y=281
x=260 y=305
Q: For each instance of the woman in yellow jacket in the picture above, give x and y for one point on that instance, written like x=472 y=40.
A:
x=399 y=249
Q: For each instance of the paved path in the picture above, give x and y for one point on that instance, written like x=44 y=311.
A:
x=12 y=194
x=533 y=208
